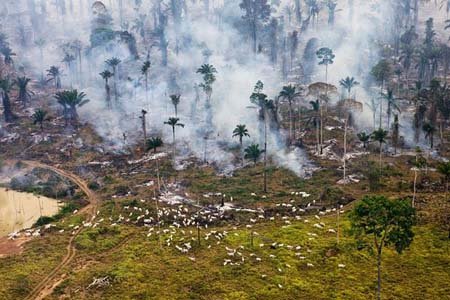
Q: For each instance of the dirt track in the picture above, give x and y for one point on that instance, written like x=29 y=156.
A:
x=47 y=285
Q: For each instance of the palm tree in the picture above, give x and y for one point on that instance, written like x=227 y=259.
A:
x=444 y=169
x=380 y=135
x=5 y=88
x=55 y=75
x=154 y=143
x=391 y=104
x=7 y=55
x=289 y=93
x=68 y=59
x=114 y=63
x=175 y=99
x=253 y=153
x=209 y=78
x=348 y=83
x=419 y=163
x=364 y=138
x=145 y=70
x=173 y=122
x=429 y=130
x=39 y=117
x=240 y=131
x=40 y=43
x=395 y=133
x=106 y=75
x=24 y=93
x=70 y=100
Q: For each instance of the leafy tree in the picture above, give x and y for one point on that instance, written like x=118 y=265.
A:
x=290 y=93
x=24 y=93
x=7 y=53
x=174 y=122
x=256 y=12
x=39 y=117
x=253 y=153
x=385 y=223
x=55 y=75
x=175 y=99
x=154 y=143
x=348 y=83
x=70 y=100
x=106 y=75
x=5 y=88
x=429 y=130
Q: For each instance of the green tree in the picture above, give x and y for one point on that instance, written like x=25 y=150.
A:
x=429 y=130
x=240 y=131
x=175 y=99
x=395 y=133
x=70 y=100
x=5 y=88
x=114 y=64
x=391 y=105
x=380 y=136
x=290 y=93
x=154 y=143
x=106 y=75
x=208 y=71
x=364 y=138
x=257 y=12
x=253 y=153
x=174 y=122
x=348 y=83
x=24 y=92
x=381 y=73
x=39 y=117
x=55 y=75
x=383 y=222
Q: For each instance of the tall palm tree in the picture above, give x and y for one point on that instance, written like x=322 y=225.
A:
x=153 y=144
x=70 y=100
x=39 y=117
x=380 y=136
x=55 y=74
x=240 y=131
x=364 y=138
x=348 y=83
x=68 y=60
x=208 y=71
x=253 y=153
x=114 y=63
x=429 y=130
x=24 y=93
x=145 y=69
x=173 y=122
x=290 y=93
x=106 y=75
x=5 y=88
x=391 y=105
x=40 y=43
x=175 y=99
